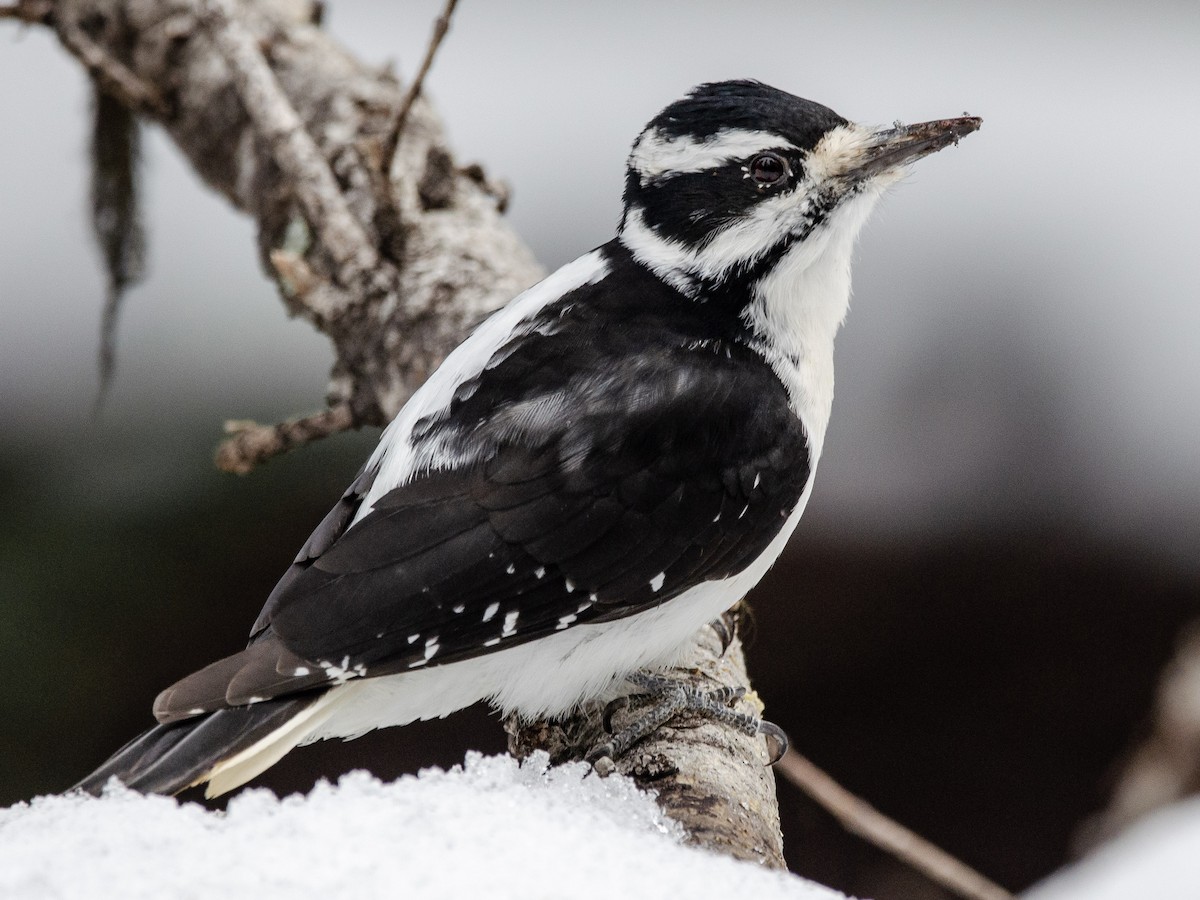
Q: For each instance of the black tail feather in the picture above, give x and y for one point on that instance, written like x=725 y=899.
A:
x=169 y=758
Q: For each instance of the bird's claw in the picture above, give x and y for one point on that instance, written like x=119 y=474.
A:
x=663 y=700
x=777 y=740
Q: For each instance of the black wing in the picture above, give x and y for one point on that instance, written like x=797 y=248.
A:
x=587 y=484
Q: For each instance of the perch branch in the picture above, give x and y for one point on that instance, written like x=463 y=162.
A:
x=860 y=818
x=709 y=777
x=440 y=27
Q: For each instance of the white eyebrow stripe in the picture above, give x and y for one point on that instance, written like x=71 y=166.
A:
x=656 y=153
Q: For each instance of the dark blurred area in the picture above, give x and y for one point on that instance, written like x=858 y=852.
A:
x=980 y=687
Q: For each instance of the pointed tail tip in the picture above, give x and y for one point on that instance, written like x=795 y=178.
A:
x=172 y=757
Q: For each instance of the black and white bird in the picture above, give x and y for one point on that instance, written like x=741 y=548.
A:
x=605 y=465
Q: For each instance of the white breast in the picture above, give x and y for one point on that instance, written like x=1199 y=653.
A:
x=799 y=307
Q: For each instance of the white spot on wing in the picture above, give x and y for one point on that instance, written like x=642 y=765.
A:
x=490 y=612
x=459 y=608
x=413 y=638
x=656 y=582
x=340 y=674
x=510 y=624
x=540 y=572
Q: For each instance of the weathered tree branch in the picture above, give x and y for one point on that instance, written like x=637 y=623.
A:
x=358 y=263
x=252 y=443
x=31 y=12
x=289 y=127
x=440 y=27
x=109 y=73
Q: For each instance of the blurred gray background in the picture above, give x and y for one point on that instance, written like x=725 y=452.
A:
x=1025 y=307
x=1019 y=368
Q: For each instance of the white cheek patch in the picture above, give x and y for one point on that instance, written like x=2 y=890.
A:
x=740 y=243
x=656 y=153
x=670 y=260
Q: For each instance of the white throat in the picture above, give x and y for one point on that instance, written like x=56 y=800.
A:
x=798 y=308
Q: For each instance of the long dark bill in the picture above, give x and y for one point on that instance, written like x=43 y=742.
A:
x=903 y=144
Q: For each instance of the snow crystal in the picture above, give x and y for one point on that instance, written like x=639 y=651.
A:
x=490 y=828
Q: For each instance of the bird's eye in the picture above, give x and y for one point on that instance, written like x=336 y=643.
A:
x=769 y=169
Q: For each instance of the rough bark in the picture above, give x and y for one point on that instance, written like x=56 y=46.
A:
x=712 y=779
x=289 y=127
x=393 y=267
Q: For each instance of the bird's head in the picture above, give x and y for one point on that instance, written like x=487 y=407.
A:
x=721 y=184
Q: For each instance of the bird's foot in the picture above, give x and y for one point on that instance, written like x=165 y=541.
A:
x=664 y=698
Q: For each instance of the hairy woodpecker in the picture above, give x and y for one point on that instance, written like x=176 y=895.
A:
x=605 y=465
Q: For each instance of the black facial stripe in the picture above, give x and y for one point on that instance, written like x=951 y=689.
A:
x=732 y=289
x=691 y=206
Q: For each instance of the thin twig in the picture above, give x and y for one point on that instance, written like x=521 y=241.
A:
x=293 y=148
x=251 y=443
x=111 y=74
x=860 y=818
x=440 y=27
x=32 y=12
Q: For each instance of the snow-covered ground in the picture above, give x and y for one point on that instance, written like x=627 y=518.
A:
x=1156 y=859
x=491 y=828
